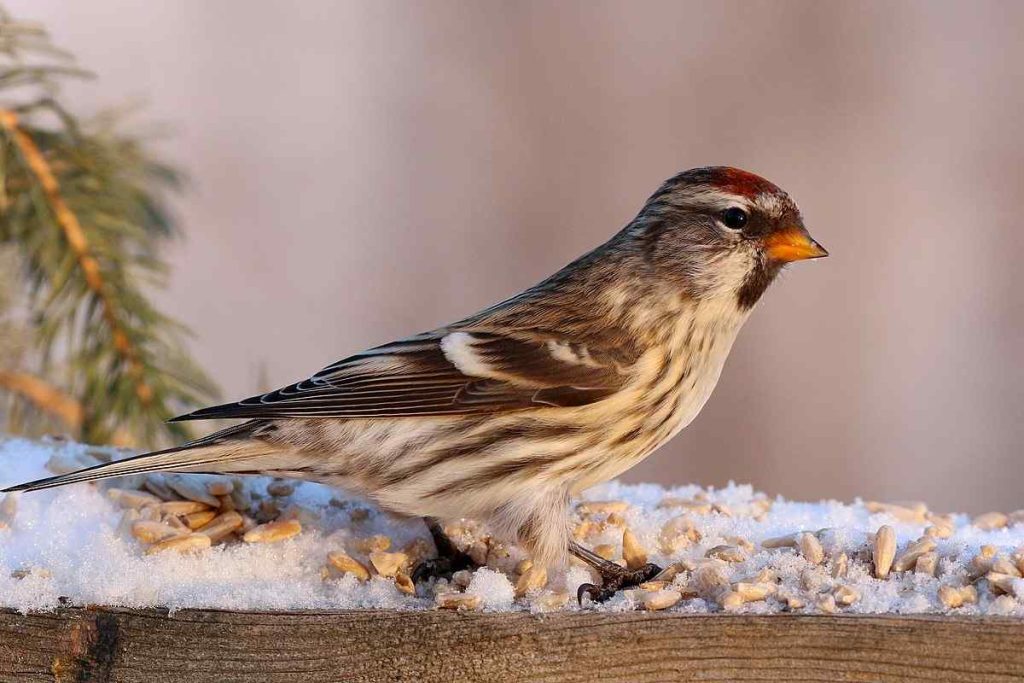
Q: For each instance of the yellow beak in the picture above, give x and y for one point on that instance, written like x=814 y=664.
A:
x=792 y=244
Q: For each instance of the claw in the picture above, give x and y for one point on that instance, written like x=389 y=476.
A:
x=587 y=589
x=614 y=581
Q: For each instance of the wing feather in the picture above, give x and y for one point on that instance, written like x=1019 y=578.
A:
x=450 y=372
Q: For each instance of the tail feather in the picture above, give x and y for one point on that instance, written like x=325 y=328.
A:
x=218 y=452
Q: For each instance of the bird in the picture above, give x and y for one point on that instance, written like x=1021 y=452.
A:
x=506 y=415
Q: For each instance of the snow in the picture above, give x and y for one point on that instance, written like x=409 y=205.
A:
x=70 y=546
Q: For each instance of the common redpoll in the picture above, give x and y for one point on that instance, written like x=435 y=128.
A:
x=507 y=414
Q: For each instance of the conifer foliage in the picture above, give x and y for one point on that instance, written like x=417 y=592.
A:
x=83 y=220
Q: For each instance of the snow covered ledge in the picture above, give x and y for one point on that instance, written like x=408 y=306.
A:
x=227 y=579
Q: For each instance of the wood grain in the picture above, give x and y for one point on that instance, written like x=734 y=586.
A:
x=196 y=645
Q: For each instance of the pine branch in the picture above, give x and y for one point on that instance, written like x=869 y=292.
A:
x=83 y=205
x=79 y=245
x=43 y=396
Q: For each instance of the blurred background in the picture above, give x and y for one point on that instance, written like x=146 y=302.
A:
x=364 y=170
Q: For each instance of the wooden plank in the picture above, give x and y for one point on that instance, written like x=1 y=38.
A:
x=197 y=645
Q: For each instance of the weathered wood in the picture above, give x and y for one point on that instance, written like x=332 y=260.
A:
x=194 y=645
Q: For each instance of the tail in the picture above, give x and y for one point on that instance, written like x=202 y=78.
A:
x=223 y=451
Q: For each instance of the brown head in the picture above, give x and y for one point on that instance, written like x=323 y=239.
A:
x=720 y=231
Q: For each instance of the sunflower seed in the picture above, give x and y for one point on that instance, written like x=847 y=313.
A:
x=457 y=601
x=273 y=532
x=387 y=564
x=913 y=513
x=347 y=565
x=180 y=544
x=601 y=507
x=990 y=521
x=840 y=566
x=678 y=533
x=810 y=548
x=632 y=552
x=726 y=553
x=845 y=595
x=378 y=543
x=154 y=532
x=533 y=578
x=661 y=599
x=787 y=541
x=196 y=520
x=884 y=550
x=222 y=526
x=927 y=564
x=404 y=584
x=908 y=558
x=132 y=499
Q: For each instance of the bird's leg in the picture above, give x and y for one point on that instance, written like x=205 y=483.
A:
x=449 y=558
x=613 y=577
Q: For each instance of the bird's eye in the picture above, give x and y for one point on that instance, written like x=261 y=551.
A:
x=734 y=218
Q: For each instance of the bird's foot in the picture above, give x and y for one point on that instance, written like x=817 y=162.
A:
x=442 y=566
x=614 y=580
x=449 y=558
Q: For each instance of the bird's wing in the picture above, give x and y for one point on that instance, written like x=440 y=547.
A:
x=450 y=372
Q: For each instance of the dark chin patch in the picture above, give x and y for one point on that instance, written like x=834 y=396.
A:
x=756 y=282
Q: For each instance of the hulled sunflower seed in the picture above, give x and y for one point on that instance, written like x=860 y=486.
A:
x=678 y=533
x=810 y=548
x=370 y=544
x=1005 y=566
x=632 y=552
x=827 y=604
x=551 y=601
x=840 y=565
x=387 y=564
x=726 y=553
x=884 y=550
x=693 y=506
x=457 y=601
x=939 y=530
x=913 y=513
x=710 y=580
x=787 y=541
x=601 y=507
x=927 y=564
x=199 y=519
x=753 y=592
x=845 y=595
x=1001 y=583
x=660 y=599
x=273 y=532
x=908 y=558
x=347 y=565
x=990 y=521
x=132 y=499
x=533 y=578
x=222 y=526
x=154 y=532
x=952 y=596
x=182 y=507
x=404 y=584
x=180 y=544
